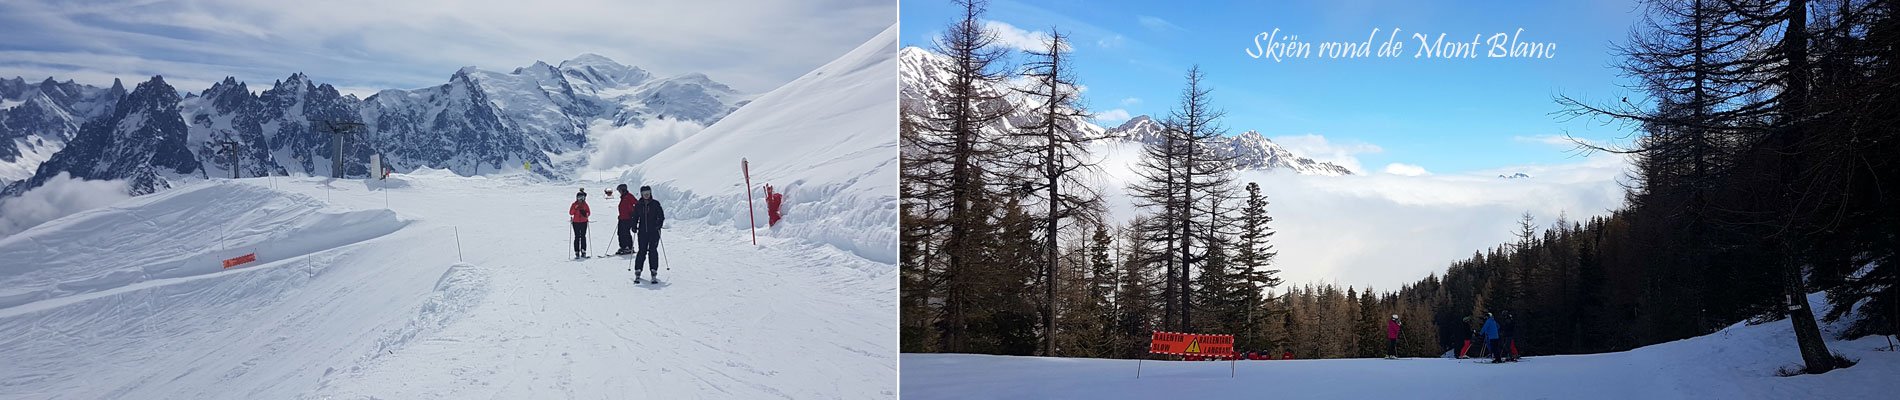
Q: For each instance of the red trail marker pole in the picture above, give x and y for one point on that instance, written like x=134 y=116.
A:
x=745 y=167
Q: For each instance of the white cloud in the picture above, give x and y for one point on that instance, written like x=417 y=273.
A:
x=409 y=44
x=1157 y=24
x=1113 y=117
x=1318 y=148
x=1016 y=38
x=1386 y=230
x=630 y=145
x=58 y=197
x=1131 y=102
x=1552 y=140
x=1402 y=169
x=1111 y=42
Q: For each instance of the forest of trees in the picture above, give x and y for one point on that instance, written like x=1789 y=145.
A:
x=1005 y=251
x=1763 y=170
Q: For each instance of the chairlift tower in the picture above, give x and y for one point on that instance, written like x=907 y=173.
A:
x=339 y=131
x=230 y=148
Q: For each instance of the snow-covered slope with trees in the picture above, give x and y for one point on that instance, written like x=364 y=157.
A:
x=1740 y=362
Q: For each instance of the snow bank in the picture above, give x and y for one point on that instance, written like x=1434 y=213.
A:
x=178 y=233
x=828 y=140
x=1739 y=362
x=461 y=288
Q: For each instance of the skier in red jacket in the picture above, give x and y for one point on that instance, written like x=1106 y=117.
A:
x=772 y=202
x=1392 y=338
x=579 y=213
x=624 y=229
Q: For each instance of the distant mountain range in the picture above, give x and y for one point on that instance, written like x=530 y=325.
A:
x=479 y=121
x=920 y=70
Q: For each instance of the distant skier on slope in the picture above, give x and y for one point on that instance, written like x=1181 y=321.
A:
x=648 y=217
x=1465 y=352
x=1507 y=336
x=1491 y=338
x=1392 y=338
x=624 y=229
x=579 y=213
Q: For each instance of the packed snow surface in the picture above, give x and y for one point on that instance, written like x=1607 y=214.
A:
x=1739 y=362
x=352 y=300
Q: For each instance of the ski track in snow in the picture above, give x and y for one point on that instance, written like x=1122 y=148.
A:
x=397 y=316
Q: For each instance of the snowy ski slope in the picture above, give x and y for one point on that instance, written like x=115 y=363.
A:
x=432 y=285
x=1739 y=362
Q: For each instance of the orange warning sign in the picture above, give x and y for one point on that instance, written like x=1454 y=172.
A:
x=239 y=260
x=1191 y=344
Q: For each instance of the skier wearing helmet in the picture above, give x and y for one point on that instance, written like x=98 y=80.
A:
x=1491 y=338
x=578 y=214
x=1392 y=338
x=624 y=230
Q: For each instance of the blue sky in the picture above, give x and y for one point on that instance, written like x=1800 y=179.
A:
x=1446 y=116
x=364 y=45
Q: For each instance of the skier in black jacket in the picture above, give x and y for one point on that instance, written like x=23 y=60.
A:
x=1507 y=336
x=648 y=218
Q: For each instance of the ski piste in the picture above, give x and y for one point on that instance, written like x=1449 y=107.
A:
x=440 y=286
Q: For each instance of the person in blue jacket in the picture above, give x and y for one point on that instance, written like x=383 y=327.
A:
x=1491 y=338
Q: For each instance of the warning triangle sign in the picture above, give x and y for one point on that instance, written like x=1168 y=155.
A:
x=1194 y=346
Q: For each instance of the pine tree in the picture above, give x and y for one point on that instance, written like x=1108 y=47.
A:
x=1102 y=279
x=1050 y=154
x=1184 y=182
x=1135 y=296
x=1011 y=321
x=945 y=171
x=1370 y=326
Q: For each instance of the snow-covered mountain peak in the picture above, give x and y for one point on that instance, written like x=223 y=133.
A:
x=1251 y=149
x=922 y=72
x=1141 y=128
x=597 y=72
x=117 y=90
x=478 y=122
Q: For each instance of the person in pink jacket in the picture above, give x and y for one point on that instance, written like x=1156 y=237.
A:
x=1392 y=337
